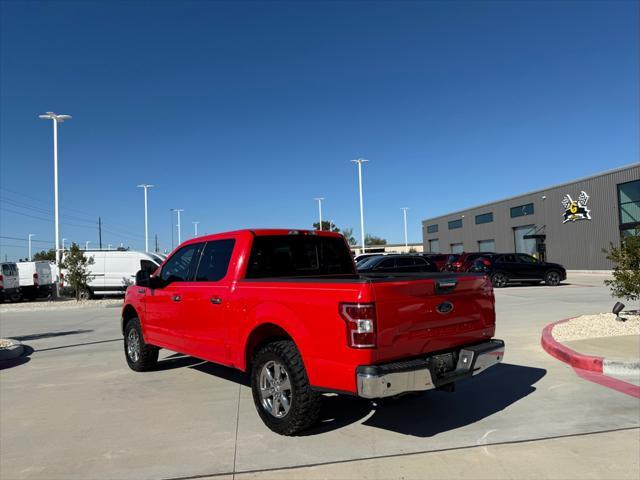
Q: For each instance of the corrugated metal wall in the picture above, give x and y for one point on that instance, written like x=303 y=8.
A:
x=577 y=245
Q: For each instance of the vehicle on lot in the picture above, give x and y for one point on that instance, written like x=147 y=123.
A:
x=289 y=307
x=9 y=282
x=36 y=280
x=506 y=268
x=463 y=261
x=112 y=271
x=451 y=260
x=364 y=256
x=396 y=263
x=439 y=259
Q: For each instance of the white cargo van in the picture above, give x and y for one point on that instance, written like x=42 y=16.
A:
x=36 y=280
x=112 y=271
x=9 y=282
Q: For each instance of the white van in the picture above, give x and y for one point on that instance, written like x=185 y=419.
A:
x=112 y=271
x=36 y=280
x=9 y=282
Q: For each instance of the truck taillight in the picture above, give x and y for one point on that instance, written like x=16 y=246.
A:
x=35 y=279
x=361 y=324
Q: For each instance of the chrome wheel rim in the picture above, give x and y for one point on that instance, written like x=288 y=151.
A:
x=499 y=280
x=133 y=345
x=275 y=389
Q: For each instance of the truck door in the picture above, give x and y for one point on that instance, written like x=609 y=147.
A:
x=206 y=303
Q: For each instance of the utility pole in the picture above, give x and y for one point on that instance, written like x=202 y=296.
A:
x=30 y=236
x=404 y=211
x=100 y=232
x=156 y=243
x=360 y=161
x=146 y=225
x=319 y=200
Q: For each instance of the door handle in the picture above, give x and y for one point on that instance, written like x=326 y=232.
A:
x=216 y=300
x=176 y=298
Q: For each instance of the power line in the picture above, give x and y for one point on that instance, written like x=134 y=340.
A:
x=25 y=240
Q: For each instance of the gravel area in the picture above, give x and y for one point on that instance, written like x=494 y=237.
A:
x=60 y=304
x=593 y=326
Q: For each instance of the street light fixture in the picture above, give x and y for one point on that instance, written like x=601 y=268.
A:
x=56 y=119
x=146 y=229
x=319 y=200
x=360 y=161
x=178 y=210
x=195 y=228
x=404 y=211
x=30 y=236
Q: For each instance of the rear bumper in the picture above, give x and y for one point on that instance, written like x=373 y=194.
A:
x=387 y=380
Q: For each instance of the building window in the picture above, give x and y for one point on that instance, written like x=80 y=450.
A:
x=434 y=246
x=629 y=207
x=453 y=224
x=432 y=228
x=457 y=248
x=484 y=218
x=487 y=245
x=522 y=210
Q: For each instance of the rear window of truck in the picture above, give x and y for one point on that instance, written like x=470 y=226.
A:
x=298 y=256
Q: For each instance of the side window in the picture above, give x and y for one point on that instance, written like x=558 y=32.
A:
x=148 y=266
x=508 y=258
x=179 y=268
x=214 y=261
x=526 y=258
x=405 y=263
x=386 y=264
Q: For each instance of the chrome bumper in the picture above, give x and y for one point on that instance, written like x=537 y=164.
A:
x=378 y=381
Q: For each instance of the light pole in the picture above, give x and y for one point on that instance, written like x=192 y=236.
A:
x=109 y=247
x=360 y=161
x=56 y=119
x=30 y=236
x=146 y=230
x=195 y=228
x=319 y=200
x=86 y=244
x=404 y=211
x=63 y=244
x=178 y=210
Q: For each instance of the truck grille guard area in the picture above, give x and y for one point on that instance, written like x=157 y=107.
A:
x=429 y=372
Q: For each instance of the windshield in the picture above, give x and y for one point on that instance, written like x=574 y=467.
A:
x=299 y=255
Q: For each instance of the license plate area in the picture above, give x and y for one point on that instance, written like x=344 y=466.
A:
x=442 y=363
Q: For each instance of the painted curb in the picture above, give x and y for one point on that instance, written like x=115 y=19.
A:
x=12 y=351
x=565 y=354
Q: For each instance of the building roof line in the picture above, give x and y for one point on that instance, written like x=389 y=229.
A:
x=583 y=179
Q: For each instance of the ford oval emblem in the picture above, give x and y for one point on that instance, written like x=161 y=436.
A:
x=445 y=307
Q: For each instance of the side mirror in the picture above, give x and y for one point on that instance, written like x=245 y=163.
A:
x=143 y=278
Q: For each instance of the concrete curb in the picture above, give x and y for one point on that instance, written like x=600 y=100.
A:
x=12 y=351
x=567 y=355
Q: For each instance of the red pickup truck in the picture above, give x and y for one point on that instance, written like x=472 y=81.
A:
x=290 y=308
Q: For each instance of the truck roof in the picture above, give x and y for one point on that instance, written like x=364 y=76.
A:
x=262 y=232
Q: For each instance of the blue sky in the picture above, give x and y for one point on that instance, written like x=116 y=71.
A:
x=242 y=112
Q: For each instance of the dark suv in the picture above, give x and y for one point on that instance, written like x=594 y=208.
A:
x=396 y=264
x=505 y=268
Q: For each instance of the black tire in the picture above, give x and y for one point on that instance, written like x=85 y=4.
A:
x=499 y=280
x=147 y=355
x=85 y=294
x=304 y=403
x=552 y=278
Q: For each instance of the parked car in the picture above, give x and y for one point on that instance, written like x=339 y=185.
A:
x=505 y=268
x=36 y=280
x=397 y=263
x=290 y=308
x=9 y=282
x=451 y=260
x=365 y=256
x=464 y=261
x=439 y=259
x=112 y=271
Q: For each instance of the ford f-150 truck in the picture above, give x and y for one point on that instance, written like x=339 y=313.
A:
x=290 y=308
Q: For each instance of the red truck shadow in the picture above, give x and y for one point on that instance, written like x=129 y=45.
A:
x=424 y=415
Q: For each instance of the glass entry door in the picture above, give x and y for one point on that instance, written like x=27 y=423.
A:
x=524 y=245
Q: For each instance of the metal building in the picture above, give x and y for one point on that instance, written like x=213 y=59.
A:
x=570 y=223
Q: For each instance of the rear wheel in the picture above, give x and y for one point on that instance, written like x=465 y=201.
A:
x=85 y=294
x=499 y=280
x=281 y=390
x=552 y=278
x=140 y=355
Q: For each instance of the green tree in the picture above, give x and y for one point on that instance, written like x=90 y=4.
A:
x=326 y=226
x=626 y=268
x=49 y=255
x=348 y=234
x=373 y=240
x=77 y=272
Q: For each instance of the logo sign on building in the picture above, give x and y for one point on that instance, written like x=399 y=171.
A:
x=576 y=209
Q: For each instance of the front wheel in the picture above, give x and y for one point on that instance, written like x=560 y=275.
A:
x=140 y=355
x=281 y=390
x=552 y=278
x=499 y=280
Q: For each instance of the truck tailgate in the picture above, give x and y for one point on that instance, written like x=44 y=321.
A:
x=422 y=315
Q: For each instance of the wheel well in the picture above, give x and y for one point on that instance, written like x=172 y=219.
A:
x=128 y=313
x=265 y=333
